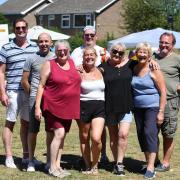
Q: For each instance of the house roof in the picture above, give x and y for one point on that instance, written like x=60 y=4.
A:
x=76 y=6
x=20 y=6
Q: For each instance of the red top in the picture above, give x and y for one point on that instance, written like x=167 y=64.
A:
x=61 y=96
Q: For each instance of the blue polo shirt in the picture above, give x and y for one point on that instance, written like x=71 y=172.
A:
x=14 y=57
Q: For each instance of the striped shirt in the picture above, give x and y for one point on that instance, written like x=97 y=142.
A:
x=14 y=57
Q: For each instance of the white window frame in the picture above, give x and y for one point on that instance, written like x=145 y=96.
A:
x=65 y=17
x=41 y=20
x=51 y=17
x=88 y=18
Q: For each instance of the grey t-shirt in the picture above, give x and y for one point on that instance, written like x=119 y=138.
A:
x=33 y=65
x=170 y=66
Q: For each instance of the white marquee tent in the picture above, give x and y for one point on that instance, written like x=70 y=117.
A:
x=34 y=32
x=150 y=36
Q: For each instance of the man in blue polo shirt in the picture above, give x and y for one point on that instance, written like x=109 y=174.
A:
x=12 y=58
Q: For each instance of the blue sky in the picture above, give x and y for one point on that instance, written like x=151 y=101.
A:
x=2 y=1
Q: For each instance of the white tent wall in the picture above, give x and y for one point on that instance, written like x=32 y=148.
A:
x=150 y=36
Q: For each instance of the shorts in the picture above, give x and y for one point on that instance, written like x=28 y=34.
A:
x=91 y=109
x=54 y=122
x=169 y=126
x=34 y=124
x=19 y=105
x=116 y=118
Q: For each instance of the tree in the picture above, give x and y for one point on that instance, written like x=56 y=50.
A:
x=3 y=20
x=140 y=15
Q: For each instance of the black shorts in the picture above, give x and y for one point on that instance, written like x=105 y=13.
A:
x=34 y=124
x=91 y=109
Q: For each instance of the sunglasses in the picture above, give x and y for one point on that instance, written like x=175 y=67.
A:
x=21 y=27
x=63 y=50
x=115 y=51
x=91 y=35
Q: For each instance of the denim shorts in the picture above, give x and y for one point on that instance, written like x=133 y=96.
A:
x=116 y=118
x=18 y=105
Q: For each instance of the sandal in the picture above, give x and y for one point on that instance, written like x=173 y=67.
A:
x=56 y=173
x=92 y=171
x=64 y=171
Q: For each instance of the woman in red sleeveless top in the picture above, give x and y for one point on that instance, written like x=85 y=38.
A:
x=59 y=95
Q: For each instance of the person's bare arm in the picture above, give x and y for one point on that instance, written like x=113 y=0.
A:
x=25 y=81
x=160 y=83
x=44 y=74
x=4 y=98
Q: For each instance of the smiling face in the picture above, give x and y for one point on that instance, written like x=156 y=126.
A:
x=20 y=30
x=117 y=53
x=143 y=55
x=62 y=52
x=44 y=43
x=89 y=57
x=90 y=38
x=165 y=45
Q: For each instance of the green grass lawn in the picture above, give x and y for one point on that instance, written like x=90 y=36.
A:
x=133 y=159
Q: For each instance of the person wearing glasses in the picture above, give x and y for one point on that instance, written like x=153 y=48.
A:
x=90 y=38
x=117 y=74
x=149 y=98
x=31 y=70
x=12 y=58
x=59 y=95
x=169 y=62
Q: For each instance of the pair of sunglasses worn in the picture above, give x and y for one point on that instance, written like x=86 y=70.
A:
x=115 y=51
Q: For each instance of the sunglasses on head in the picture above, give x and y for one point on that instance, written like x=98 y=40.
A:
x=115 y=51
x=91 y=35
x=21 y=27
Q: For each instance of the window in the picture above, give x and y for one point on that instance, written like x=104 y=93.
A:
x=50 y=19
x=41 y=20
x=65 y=21
x=81 y=20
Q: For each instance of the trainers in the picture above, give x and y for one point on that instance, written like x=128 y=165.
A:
x=25 y=160
x=162 y=168
x=119 y=169
x=31 y=166
x=9 y=162
x=104 y=159
x=149 y=175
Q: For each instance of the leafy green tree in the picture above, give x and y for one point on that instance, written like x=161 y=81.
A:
x=140 y=15
x=3 y=20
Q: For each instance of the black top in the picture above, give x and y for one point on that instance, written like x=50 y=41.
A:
x=118 y=96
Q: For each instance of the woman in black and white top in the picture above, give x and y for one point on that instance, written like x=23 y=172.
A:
x=92 y=116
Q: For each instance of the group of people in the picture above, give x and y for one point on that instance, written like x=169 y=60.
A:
x=96 y=88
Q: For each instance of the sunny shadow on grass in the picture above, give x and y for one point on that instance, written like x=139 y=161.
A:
x=71 y=156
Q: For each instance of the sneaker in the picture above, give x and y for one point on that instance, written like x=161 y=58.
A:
x=9 y=162
x=149 y=174
x=162 y=168
x=25 y=161
x=31 y=167
x=119 y=169
x=104 y=159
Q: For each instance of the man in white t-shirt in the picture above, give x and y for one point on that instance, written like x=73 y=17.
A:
x=90 y=38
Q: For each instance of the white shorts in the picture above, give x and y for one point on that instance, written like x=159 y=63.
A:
x=18 y=105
